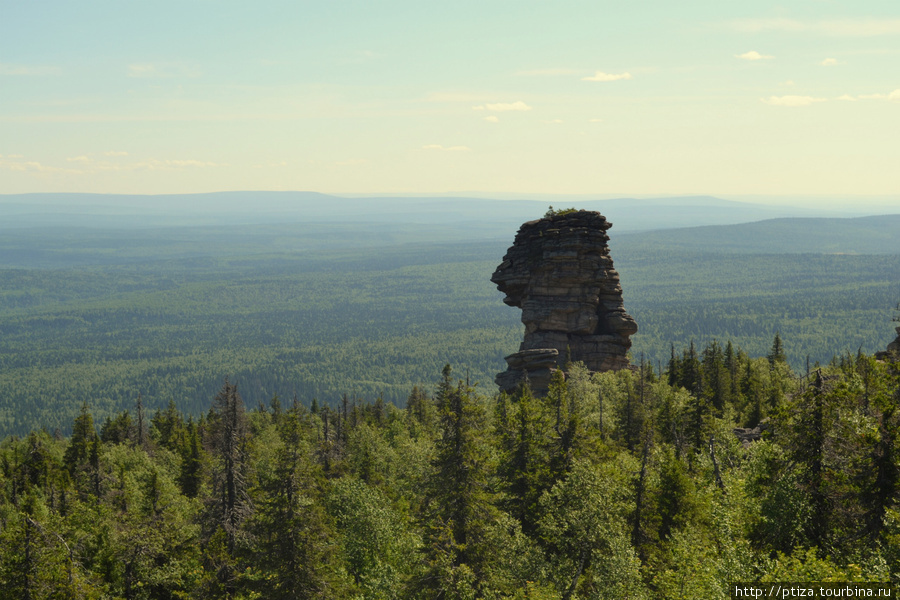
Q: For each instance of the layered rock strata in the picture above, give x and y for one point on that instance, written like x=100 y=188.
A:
x=893 y=349
x=559 y=272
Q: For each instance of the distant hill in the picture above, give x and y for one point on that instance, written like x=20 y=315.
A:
x=862 y=235
x=483 y=217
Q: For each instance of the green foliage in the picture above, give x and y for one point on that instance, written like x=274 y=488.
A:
x=290 y=549
x=584 y=526
x=376 y=541
x=316 y=325
x=463 y=495
x=458 y=501
x=551 y=212
x=101 y=317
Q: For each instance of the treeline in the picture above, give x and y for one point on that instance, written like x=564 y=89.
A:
x=293 y=325
x=630 y=484
x=377 y=322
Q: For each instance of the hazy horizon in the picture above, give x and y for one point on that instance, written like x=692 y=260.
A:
x=501 y=98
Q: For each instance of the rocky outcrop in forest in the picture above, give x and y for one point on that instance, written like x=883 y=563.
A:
x=560 y=273
x=893 y=349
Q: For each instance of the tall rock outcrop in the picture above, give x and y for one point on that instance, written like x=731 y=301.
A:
x=893 y=349
x=559 y=272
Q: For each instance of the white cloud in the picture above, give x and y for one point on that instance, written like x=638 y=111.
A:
x=847 y=97
x=446 y=149
x=86 y=165
x=491 y=119
x=753 y=55
x=503 y=106
x=115 y=153
x=895 y=95
x=601 y=76
x=595 y=120
x=31 y=166
x=554 y=121
x=829 y=62
x=792 y=101
x=789 y=82
x=868 y=27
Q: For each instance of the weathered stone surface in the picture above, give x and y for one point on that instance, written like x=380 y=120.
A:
x=893 y=349
x=748 y=435
x=559 y=272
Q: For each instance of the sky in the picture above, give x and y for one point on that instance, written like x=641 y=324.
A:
x=794 y=98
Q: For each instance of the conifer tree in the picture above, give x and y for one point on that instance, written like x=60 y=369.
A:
x=715 y=376
x=82 y=456
x=776 y=354
x=458 y=505
x=190 y=476
x=291 y=531
x=229 y=504
x=523 y=424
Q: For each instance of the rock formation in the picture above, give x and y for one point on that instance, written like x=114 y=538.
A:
x=559 y=272
x=893 y=349
x=748 y=435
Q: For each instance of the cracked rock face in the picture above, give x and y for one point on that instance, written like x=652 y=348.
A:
x=893 y=349
x=559 y=272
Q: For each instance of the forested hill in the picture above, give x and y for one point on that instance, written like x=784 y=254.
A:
x=862 y=235
x=100 y=315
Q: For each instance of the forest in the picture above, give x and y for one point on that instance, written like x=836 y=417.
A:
x=102 y=315
x=263 y=412
x=629 y=484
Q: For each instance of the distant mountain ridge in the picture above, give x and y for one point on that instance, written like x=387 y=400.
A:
x=239 y=207
x=861 y=235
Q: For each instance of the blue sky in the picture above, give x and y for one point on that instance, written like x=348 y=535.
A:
x=565 y=97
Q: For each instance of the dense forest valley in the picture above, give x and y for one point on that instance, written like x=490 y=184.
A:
x=306 y=410
x=626 y=484
x=370 y=310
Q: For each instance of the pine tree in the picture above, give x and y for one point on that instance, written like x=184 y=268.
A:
x=567 y=428
x=190 y=476
x=82 y=456
x=168 y=428
x=776 y=354
x=690 y=377
x=229 y=505
x=458 y=502
x=809 y=434
x=79 y=448
x=293 y=539
x=522 y=425
x=715 y=376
